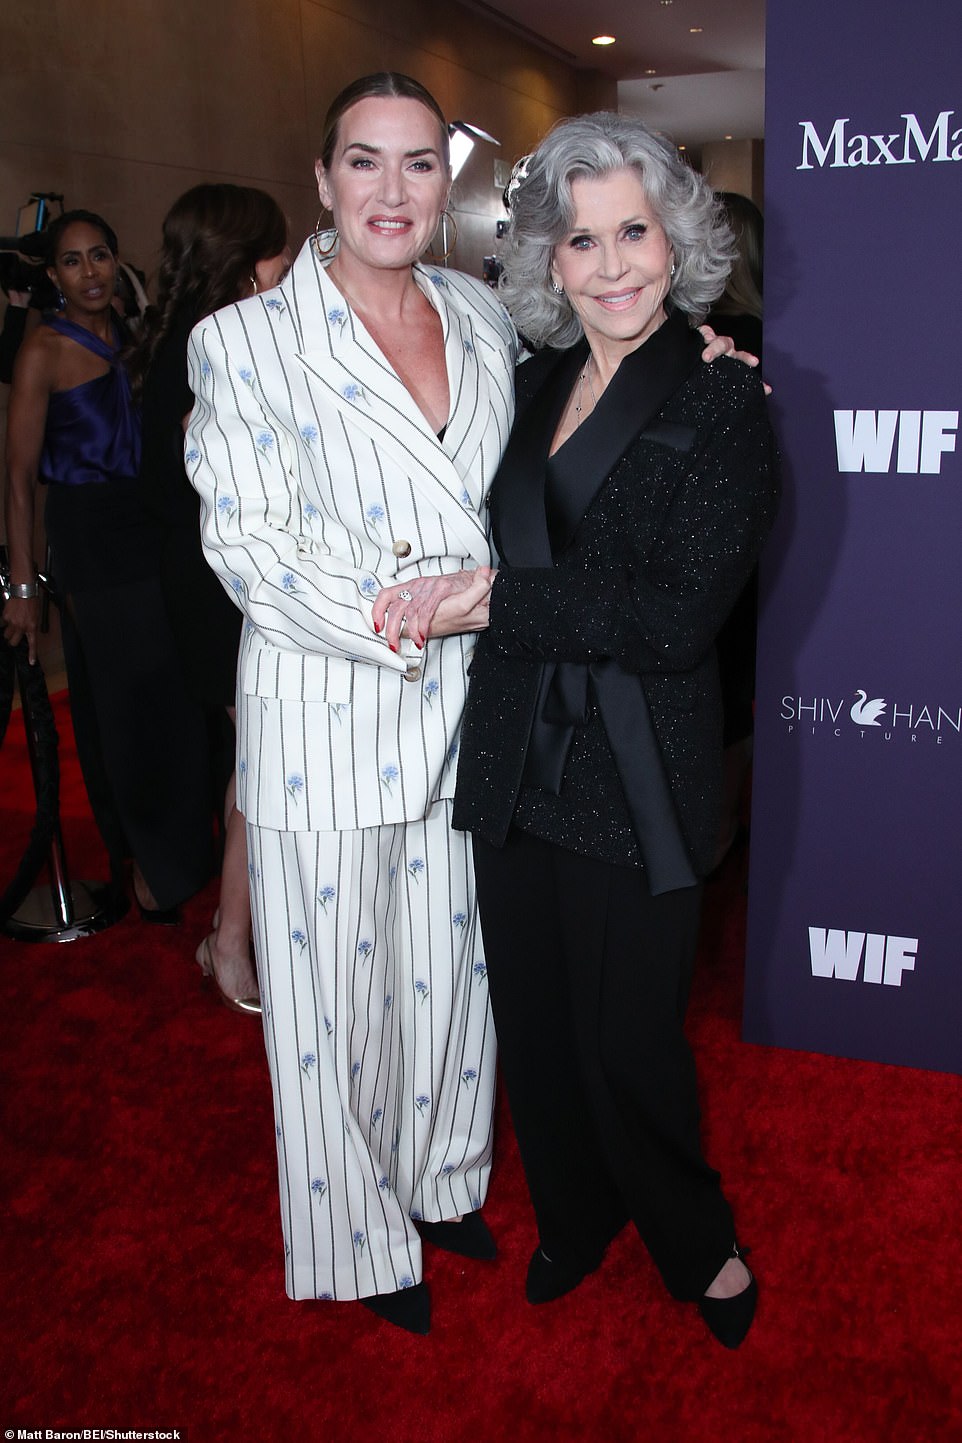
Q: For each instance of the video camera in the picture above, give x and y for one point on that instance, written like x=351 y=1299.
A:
x=21 y=255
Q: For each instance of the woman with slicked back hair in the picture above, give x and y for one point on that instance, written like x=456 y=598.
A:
x=73 y=426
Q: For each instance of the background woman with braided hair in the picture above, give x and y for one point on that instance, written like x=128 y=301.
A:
x=220 y=244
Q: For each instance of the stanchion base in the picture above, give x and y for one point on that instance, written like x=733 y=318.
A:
x=95 y=907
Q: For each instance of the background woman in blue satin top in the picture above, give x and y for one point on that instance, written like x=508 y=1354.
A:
x=73 y=426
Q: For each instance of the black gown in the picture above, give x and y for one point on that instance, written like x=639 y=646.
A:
x=141 y=741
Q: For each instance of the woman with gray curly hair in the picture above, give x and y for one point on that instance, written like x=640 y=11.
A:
x=628 y=510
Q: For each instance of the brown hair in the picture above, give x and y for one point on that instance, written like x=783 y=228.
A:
x=743 y=289
x=389 y=83
x=213 y=236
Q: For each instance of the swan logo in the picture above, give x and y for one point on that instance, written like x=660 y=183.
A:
x=839 y=955
x=870 y=716
x=865 y=713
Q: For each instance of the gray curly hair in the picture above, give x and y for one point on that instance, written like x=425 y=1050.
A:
x=542 y=214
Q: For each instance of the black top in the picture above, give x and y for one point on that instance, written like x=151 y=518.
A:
x=206 y=623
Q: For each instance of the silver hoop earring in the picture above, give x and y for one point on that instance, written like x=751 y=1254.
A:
x=253 y=280
x=558 y=290
x=673 y=269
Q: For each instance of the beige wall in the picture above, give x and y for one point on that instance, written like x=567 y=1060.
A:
x=737 y=165
x=124 y=104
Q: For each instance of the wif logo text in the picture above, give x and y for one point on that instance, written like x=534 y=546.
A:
x=840 y=955
x=865 y=440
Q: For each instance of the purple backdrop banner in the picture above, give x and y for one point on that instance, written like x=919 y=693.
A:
x=855 y=912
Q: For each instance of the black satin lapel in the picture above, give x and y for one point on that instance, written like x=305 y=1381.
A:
x=517 y=494
x=639 y=388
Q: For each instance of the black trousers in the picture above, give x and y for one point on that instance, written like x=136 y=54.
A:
x=141 y=740
x=589 y=977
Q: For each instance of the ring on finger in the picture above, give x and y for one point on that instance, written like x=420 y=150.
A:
x=405 y=596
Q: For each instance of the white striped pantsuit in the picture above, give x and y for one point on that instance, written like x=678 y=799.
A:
x=379 y=1041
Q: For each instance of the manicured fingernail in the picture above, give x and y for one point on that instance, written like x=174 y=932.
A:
x=392 y=646
x=377 y=628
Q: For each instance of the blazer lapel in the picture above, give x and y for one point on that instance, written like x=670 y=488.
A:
x=517 y=497
x=356 y=378
x=638 y=390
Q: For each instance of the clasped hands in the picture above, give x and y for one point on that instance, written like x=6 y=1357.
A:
x=434 y=606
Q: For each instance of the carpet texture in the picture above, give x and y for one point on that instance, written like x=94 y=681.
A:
x=143 y=1278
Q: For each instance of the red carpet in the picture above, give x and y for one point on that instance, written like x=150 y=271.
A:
x=143 y=1277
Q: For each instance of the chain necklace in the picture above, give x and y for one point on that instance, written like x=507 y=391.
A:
x=579 y=403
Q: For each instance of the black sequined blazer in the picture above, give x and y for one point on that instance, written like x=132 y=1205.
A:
x=622 y=574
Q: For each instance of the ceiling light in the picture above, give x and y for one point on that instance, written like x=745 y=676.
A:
x=696 y=30
x=651 y=72
x=728 y=137
x=603 y=40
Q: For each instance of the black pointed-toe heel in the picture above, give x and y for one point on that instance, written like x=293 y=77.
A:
x=548 y=1280
x=160 y=916
x=729 y=1319
x=469 y=1238
x=409 y=1308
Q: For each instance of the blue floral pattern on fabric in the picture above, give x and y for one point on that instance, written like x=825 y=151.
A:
x=325 y=895
x=295 y=785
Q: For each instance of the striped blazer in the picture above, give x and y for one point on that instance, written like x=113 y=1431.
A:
x=321 y=482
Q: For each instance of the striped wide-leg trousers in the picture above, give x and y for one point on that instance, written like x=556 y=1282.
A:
x=379 y=1041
